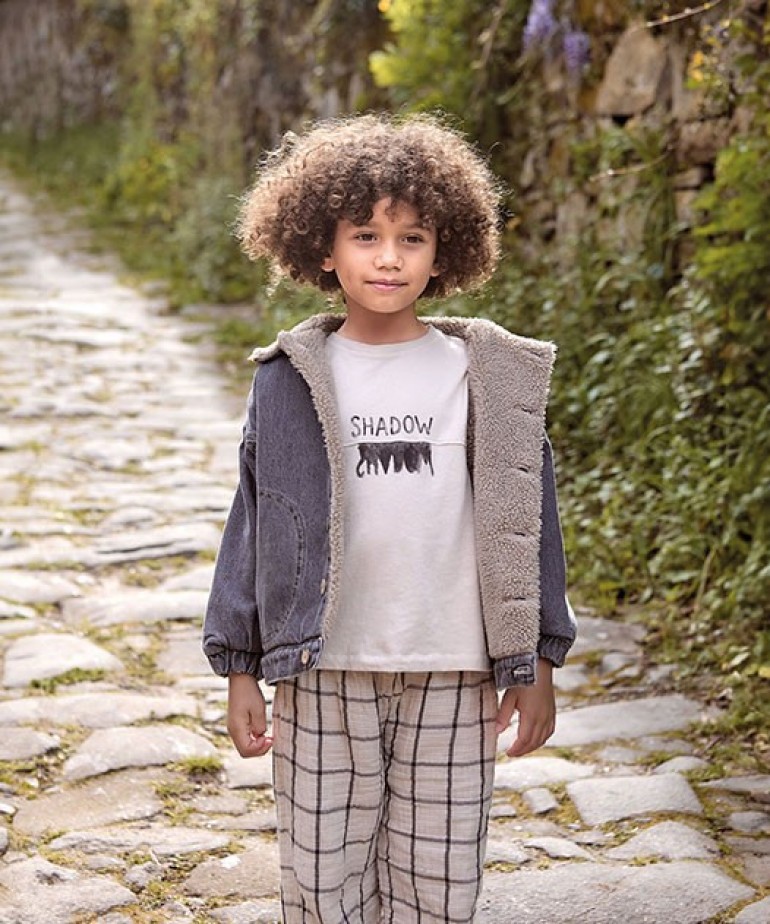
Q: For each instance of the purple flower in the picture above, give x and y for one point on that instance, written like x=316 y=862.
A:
x=577 y=50
x=541 y=24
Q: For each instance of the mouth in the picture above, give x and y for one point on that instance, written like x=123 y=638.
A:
x=386 y=285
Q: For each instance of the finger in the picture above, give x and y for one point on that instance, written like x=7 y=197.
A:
x=255 y=749
x=250 y=743
x=527 y=738
x=531 y=736
x=258 y=746
x=520 y=746
x=259 y=741
x=248 y=737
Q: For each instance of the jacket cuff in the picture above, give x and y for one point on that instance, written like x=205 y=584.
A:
x=554 y=648
x=515 y=671
x=224 y=662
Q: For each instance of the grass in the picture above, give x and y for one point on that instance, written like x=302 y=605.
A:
x=200 y=768
x=732 y=743
x=500 y=866
x=68 y=678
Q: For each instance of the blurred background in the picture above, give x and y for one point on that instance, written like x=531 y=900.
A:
x=635 y=140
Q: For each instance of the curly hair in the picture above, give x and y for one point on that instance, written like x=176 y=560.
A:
x=342 y=168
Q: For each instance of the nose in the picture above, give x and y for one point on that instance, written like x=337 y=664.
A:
x=388 y=256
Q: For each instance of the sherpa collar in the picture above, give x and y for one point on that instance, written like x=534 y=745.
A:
x=311 y=333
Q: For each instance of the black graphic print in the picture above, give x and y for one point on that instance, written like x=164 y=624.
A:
x=381 y=458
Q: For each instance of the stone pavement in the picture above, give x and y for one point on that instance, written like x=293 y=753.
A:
x=120 y=795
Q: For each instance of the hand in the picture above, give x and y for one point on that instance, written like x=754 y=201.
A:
x=536 y=706
x=246 y=716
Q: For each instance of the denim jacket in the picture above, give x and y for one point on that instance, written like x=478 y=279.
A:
x=275 y=587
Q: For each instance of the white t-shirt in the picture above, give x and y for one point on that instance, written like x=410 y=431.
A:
x=409 y=596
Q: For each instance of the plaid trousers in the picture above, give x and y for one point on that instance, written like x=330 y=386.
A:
x=383 y=783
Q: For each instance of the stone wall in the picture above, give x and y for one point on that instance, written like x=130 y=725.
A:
x=674 y=132
x=53 y=72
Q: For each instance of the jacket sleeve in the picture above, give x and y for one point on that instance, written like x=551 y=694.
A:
x=231 y=637
x=558 y=627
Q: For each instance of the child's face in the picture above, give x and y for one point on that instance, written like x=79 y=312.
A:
x=384 y=265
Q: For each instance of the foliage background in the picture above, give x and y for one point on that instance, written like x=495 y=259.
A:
x=660 y=409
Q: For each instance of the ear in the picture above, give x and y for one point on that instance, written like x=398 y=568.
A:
x=435 y=271
x=328 y=265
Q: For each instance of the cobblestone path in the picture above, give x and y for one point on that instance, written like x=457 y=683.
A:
x=121 y=799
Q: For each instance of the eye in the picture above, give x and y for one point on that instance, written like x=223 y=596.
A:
x=414 y=239
x=365 y=236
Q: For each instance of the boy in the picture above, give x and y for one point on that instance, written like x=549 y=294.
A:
x=393 y=553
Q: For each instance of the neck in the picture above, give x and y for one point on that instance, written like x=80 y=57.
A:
x=382 y=328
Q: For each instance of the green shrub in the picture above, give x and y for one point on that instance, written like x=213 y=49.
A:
x=208 y=262
x=431 y=38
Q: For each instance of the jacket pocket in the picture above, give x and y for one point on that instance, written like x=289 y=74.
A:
x=281 y=554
